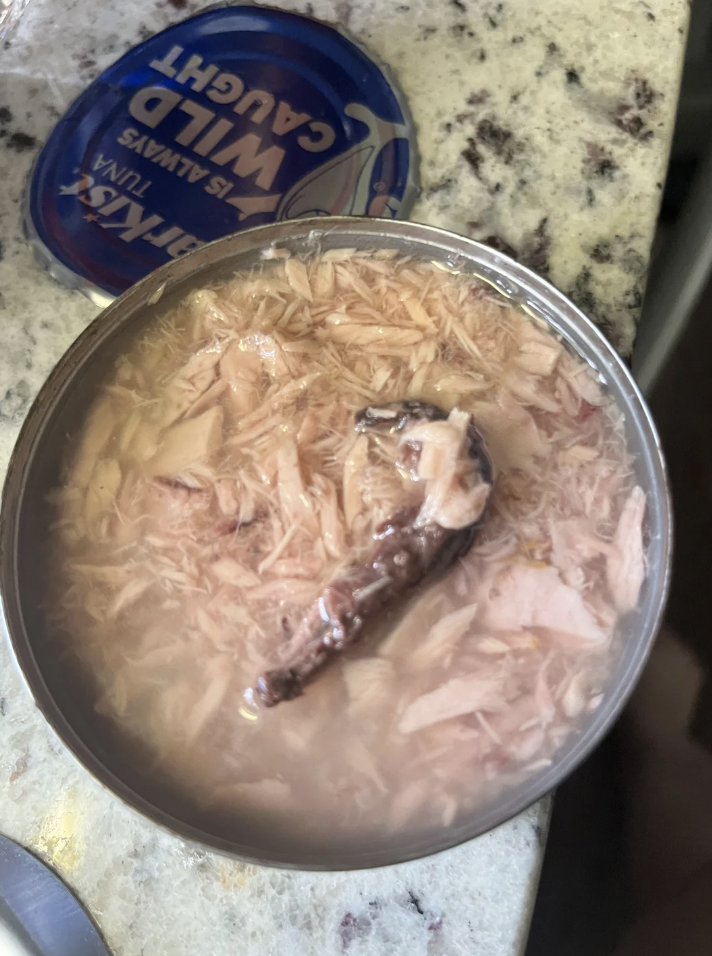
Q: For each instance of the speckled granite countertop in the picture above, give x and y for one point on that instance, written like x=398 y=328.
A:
x=544 y=129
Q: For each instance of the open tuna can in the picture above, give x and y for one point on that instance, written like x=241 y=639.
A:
x=203 y=479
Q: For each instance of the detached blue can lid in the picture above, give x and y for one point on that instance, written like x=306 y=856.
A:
x=236 y=117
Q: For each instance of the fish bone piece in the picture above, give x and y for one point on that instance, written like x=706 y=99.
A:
x=521 y=597
x=188 y=442
x=625 y=566
x=459 y=696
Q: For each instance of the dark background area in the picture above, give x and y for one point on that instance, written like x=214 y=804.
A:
x=587 y=891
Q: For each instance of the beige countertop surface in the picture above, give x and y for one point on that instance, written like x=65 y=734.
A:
x=544 y=128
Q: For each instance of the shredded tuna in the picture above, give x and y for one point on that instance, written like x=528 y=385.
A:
x=625 y=566
x=527 y=597
x=217 y=510
x=461 y=695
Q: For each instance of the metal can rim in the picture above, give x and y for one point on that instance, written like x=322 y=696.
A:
x=149 y=297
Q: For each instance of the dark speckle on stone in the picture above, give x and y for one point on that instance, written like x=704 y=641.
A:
x=500 y=245
x=498 y=139
x=599 y=163
x=632 y=263
x=650 y=16
x=538 y=74
x=473 y=156
x=584 y=297
x=601 y=252
x=433 y=922
x=482 y=56
x=441 y=186
x=493 y=18
x=514 y=97
x=5 y=114
x=426 y=32
x=475 y=99
x=581 y=292
x=458 y=29
x=590 y=197
x=415 y=903
x=658 y=185
x=178 y=4
x=631 y=116
x=2 y=251
x=403 y=8
x=643 y=93
x=572 y=78
x=21 y=142
x=144 y=33
x=552 y=48
x=630 y=123
x=633 y=298
x=352 y=928
x=459 y=5
x=447 y=127
x=517 y=39
x=497 y=188
x=3 y=707
x=15 y=401
x=535 y=249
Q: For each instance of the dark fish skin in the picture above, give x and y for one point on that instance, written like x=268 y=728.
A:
x=402 y=556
